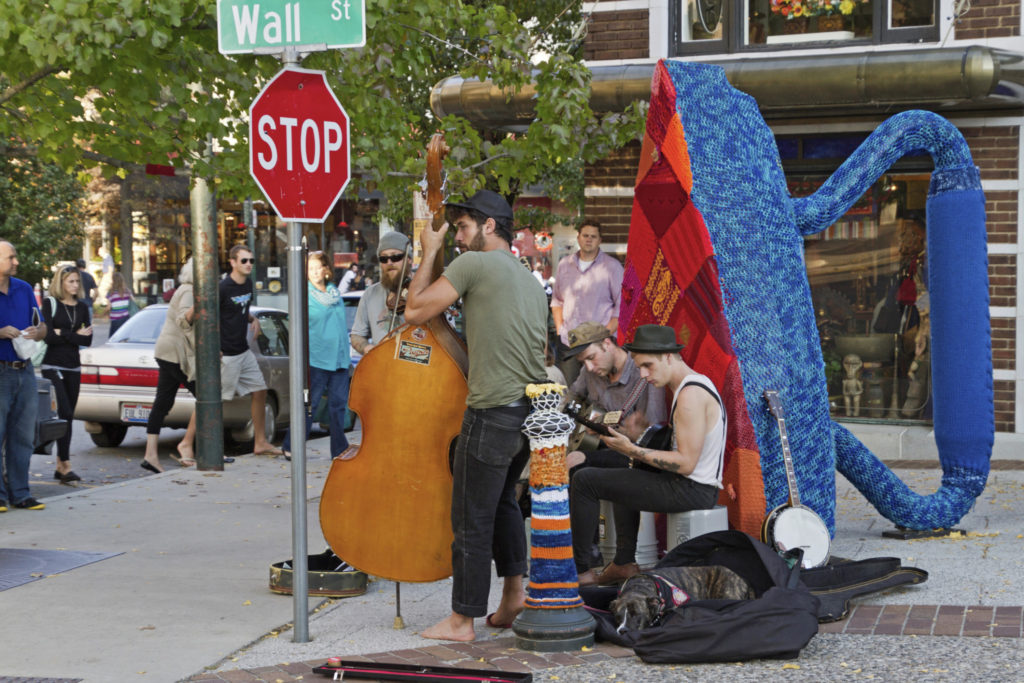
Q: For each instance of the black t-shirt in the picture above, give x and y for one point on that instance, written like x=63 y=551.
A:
x=88 y=285
x=235 y=300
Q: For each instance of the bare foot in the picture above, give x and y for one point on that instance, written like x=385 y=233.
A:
x=454 y=627
x=186 y=455
x=266 y=448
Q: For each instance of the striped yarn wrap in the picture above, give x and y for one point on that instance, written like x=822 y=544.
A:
x=553 y=581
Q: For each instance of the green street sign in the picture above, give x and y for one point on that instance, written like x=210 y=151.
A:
x=268 y=26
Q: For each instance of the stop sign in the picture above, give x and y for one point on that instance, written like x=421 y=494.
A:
x=299 y=145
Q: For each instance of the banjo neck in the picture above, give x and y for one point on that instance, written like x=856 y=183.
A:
x=775 y=407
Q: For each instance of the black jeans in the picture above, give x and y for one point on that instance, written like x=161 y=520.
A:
x=66 y=385
x=171 y=377
x=486 y=521
x=631 y=491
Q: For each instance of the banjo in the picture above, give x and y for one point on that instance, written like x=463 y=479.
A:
x=793 y=525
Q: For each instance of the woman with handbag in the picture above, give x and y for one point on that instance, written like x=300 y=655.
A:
x=69 y=327
x=176 y=357
x=328 y=353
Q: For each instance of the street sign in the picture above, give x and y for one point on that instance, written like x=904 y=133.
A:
x=299 y=145
x=268 y=26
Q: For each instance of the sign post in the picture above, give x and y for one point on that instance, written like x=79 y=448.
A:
x=299 y=156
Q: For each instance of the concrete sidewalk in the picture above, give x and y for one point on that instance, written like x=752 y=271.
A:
x=188 y=596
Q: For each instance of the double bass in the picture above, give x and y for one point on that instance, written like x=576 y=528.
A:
x=386 y=509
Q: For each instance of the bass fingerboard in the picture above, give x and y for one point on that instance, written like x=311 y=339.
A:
x=775 y=407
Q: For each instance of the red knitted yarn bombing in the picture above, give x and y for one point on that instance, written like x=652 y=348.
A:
x=671 y=278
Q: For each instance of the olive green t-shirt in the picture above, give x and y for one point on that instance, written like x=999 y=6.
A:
x=506 y=311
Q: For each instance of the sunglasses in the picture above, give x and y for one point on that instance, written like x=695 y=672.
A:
x=246 y=260
x=394 y=258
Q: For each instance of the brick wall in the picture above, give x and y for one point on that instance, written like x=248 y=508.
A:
x=1002 y=279
x=1001 y=217
x=995 y=150
x=989 y=19
x=1004 y=395
x=617 y=35
x=618 y=170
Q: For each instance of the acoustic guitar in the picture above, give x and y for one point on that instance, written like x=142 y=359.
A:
x=793 y=525
x=657 y=436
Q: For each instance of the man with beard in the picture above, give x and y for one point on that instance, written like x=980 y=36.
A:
x=506 y=325
x=373 y=317
x=610 y=382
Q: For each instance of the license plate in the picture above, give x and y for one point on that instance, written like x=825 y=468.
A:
x=135 y=412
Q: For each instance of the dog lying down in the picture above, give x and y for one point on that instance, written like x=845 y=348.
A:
x=647 y=597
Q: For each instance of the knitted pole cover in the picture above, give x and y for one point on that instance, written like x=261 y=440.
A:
x=716 y=251
x=553 y=581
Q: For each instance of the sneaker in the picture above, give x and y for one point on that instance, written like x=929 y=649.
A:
x=30 y=504
x=3 y=505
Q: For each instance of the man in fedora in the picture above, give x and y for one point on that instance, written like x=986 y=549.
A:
x=687 y=477
x=609 y=382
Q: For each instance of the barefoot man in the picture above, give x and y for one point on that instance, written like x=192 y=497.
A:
x=506 y=324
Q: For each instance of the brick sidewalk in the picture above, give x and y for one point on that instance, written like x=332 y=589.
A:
x=496 y=655
x=501 y=654
x=930 y=620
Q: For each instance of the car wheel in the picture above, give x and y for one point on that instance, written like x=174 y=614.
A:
x=245 y=434
x=110 y=436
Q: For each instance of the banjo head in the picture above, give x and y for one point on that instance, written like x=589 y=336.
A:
x=799 y=527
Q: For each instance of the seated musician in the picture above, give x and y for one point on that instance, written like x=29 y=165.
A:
x=374 y=318
x=610 y=382
x=686 y=477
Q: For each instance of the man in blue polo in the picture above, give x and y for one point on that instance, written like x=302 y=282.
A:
x=18 y=409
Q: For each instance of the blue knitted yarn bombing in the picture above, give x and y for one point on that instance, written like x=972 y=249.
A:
x=549 y=571
x=740 y=189
x=757 y=232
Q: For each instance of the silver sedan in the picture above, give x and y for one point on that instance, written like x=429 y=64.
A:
x=119 y=380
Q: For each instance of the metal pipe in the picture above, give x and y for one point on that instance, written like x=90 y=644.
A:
x=972 y=77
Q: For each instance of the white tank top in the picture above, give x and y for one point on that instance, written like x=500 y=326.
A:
x=712 y=454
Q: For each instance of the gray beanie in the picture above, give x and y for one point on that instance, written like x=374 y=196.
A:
x=393 y=240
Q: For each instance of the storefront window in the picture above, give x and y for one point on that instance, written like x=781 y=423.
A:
x=869 y=286
x=805 y=21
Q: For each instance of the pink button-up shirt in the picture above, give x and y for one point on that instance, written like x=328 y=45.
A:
x=590 y=296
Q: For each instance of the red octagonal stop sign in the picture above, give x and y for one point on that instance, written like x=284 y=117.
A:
x=299 y=145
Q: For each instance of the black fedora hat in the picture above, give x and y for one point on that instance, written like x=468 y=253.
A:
x=654 y=339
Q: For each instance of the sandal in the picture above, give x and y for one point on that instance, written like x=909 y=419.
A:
x=183 y=462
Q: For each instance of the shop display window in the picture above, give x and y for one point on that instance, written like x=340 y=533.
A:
x=803 y=21
x=869 y=285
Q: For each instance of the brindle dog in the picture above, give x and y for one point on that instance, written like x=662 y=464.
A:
x=647 y=597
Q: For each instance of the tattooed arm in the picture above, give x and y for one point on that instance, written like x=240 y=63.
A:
x=692 y=421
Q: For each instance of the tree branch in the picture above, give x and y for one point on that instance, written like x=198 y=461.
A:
x=444 y=42
x=28 y=82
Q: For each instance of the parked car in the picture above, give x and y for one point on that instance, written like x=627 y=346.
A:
x=119 y=380
x=49 y=427
x=351 y=300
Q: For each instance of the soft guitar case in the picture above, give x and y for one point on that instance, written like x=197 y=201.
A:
x=841 y=580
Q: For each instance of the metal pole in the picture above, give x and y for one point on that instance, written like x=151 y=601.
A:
x=250 y=239
x=297 y=331
x=296 y=376
x=209 y=447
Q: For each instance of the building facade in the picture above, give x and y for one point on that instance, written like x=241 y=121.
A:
x=825 y=75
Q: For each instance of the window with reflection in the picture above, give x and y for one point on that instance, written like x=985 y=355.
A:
x=722 y=26
x=774 y=22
